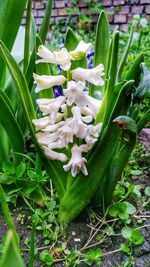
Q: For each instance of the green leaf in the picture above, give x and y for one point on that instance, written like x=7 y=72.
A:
x=21 y=85
x=126 y=232
x=101 y=46
x=10 y=20
x=11 y=255
x=20 y=170
x=134 y=72
x=8 y=167
x=143 y=121
x=136 y=172
x=132 y=235
x=124 y=56
x=147 y=191
x=137 y=238
x=113 y=211
x=71 y=41
x=46 y=21
x=11 y=127
x=112 y=77
x=47 y=257
x=94 y=255
x=125 y=248
x=27 y=34
x=130 y=208
x=143 y=90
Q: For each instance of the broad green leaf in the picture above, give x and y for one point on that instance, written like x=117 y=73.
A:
x=20 y=84
x=11 y=13
x=134 y=72
x=11 y=127
x=5 y=145
x=101 y=46
x=11 y=255
x=112 y=76
x=124 y=56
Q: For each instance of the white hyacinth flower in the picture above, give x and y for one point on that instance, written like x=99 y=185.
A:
x=92 y=133
x=53 y=127
x=51 y=106
x=61 y=57
x=81 y=50
x=75 y=93
x=91 y=75
x=45 y=139
x=65 y=134
x=45 y=81
x=41 y=123
x=93 y=104
x=77 y=162
x=78 y=122
x=53 y=155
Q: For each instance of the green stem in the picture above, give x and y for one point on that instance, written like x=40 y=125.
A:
x=7 y=215
x=32 y=244
x=27 y=35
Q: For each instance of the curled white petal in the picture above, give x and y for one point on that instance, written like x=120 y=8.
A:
x=93 y=104
x=77 y=123
x=45 y=81
x=77 y=162
x=65 y=134
x=91 y=75
x=53 y=127
x=92 y=133
x=81 y=50
x=53 y=155
x=41 y=123
x=46 y=138
x=51 y=107
x=75 y=93
x=61 y=57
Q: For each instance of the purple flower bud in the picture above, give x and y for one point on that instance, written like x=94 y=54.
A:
x=62 y=43
x=90 y=64
x=60 y=69
x=90 y=54
x=57 y=91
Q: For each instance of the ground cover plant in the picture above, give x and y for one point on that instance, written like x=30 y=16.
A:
x=92 y=108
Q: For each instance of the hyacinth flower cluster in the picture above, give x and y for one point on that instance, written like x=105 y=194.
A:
x=68 y=119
